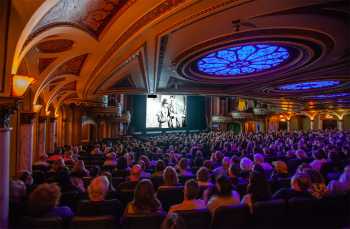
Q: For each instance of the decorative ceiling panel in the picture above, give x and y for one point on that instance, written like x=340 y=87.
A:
x=73 y=66
x=90 y=15
x=55 y=46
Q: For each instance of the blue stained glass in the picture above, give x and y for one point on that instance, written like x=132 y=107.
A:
x=330 y=96
x=242 y=60
x=309 y=85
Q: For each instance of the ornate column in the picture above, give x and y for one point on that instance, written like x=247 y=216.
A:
x=340 y=124
x=51 y=136
x=41 y=137
x=5 y=130
x=312 y=124
x=26 y=141
x=288 y=125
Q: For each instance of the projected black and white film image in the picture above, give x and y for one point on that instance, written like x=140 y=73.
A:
x=166 y=111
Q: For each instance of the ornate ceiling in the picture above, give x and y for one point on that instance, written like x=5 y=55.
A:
x=83 y=49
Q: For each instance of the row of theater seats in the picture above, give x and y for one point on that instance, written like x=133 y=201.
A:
x=332 y=212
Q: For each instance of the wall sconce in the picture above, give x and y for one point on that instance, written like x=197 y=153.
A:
x=37 y=107
x=20 y=84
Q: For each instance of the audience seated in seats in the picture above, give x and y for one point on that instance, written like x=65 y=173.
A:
x=27 y=179
x=258 y=189
x=79 y=169
x=191 y=201
x=259 y=159
x=234 y=175
x=160 y=166
x=96 y=150
x=144 y=174
x=209 y=165
x=18 y=194
x=43 y=202
x=217 y=158
x=170 y=178
x=318 y=188
x=246 y=166
x=223 y=168
x=78 y=183
x=342 y=185
x=300 y=184
x=332 y=169
x=135 y=175
x=223 y=195
x=97 y=204
x=68 y=157
x=42 y=162
x=111 y=159
x=122 y=169
x=182 y=167
x=203 y=178
x=173 y=221
x=280 y=171
x=111 y=188
x=145 y=200
x=319 y=160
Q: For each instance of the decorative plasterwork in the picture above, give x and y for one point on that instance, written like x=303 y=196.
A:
x=55 y=46
x=72 y=66
x=44 y=63
x=91 y=16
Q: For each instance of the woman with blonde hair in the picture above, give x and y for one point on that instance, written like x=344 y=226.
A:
x=170 y=177
x=144 y=200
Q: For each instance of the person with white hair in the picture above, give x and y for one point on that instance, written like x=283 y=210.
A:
x=98 y=188
x=97 y=204
x=342 y=185
x=246 y=166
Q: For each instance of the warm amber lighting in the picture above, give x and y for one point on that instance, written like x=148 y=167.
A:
x=328 y=116
x=37 y=107
x=20 y=84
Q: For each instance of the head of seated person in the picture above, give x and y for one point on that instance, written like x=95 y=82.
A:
x=44 y=200
x=135 y=173
x=145 y=200
x=170 y=177
x=160 y=166
x=173 y=221
x=79 y=169
x=223 y=195
x=26 y=177
x=191 y=198
x=98 y=189
x=318 y=188
x=183 y=167
x=18 y=191
x=300 y=182
x=203 y=176
x=280 y=168
x=258 y=187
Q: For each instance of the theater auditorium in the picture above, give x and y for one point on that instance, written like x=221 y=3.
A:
x=174 y=114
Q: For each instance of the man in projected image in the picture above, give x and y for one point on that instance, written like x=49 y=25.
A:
x=162 y=116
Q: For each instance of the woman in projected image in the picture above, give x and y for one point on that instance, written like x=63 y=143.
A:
x=162 y=116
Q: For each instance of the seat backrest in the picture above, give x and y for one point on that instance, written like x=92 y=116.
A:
x=41 y=223
x=144 y=221
x=196 y=219
x=157 y=181
x=299 y=212
x=270 y=213
x=107 y=207
x=125 y=196
x=70 y=199
x=92 y=222
x=228 y=217
x=170 y=195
